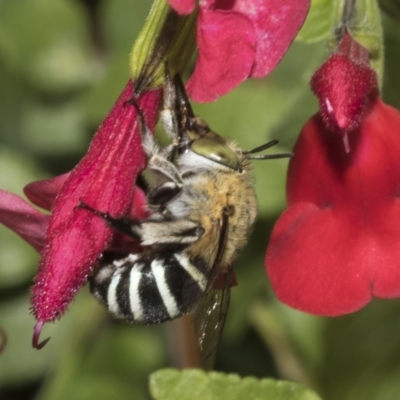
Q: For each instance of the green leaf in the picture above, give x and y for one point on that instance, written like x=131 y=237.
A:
x=318 y=25
x=170 y=384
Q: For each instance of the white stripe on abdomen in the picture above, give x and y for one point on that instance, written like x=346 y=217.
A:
x=134 y=296
x=158 y=269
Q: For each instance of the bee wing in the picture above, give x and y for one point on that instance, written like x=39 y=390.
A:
x=210 y=314
x=209 y=319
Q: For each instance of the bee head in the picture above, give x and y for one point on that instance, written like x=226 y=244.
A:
x=215 y=148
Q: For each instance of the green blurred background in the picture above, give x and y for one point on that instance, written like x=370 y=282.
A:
x=62 y=65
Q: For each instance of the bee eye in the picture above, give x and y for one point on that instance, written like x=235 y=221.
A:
x=215 y=150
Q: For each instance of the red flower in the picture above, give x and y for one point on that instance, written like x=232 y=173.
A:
x=239 y=39
x=70 y=239
x=336 y=246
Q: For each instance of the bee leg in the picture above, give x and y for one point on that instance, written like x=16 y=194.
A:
x=182 y=102
x=175 y=232
x=165 y=179
x=151 y=232
x=126 y=226
x=150 y=146
x=169 y=183
x=168 y=115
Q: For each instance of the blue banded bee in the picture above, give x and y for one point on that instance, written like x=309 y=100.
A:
x=203 y=207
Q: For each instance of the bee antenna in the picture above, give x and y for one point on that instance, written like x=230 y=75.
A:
x=262 y=147
x=266 y=156
x=271 y=156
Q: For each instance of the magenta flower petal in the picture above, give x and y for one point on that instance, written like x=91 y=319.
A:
x=337 y=244
x=23 y=219
x=104 y=179
x=43 y=193
x=226 y=42
x=242 y=38
x=182 y=7
x=276 y=24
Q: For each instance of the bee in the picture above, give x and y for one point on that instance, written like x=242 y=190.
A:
x=203 y=206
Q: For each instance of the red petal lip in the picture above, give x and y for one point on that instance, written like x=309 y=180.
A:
x=318 y=260
x=226 y=43
x=23 y=219
x=103 y=179
x=337 y=244
x=276 y=24
x=241 y=39
x=43 y=193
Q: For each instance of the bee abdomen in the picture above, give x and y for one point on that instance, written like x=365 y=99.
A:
x=149 y=291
